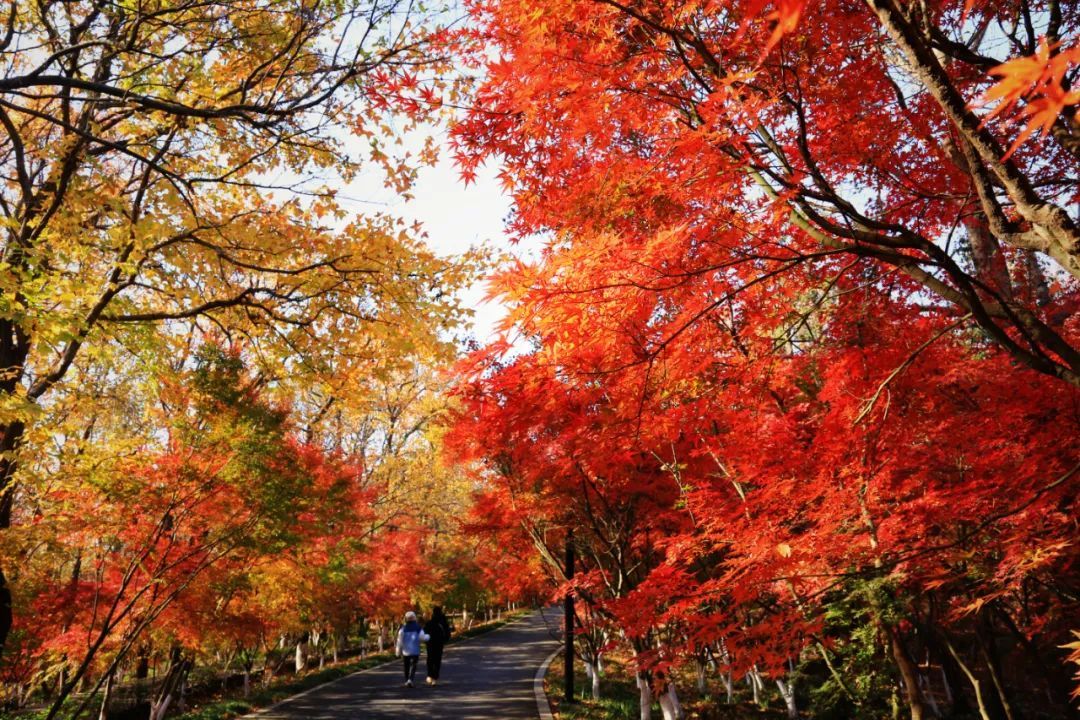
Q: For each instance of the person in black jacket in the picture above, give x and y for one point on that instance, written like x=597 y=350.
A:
x=438 y=630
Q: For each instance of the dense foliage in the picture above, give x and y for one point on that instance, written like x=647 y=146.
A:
x=217 y=388
x=798 y=364
x=797 y=372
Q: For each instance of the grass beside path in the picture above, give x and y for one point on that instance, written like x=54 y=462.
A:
x=225 y=708
x=619 y=698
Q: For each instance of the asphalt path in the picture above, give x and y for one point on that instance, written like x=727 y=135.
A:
x=489 y=676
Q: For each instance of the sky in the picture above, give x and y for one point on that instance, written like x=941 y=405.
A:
x=455 y=218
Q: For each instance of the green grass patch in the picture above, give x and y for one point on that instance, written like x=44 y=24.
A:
x=619 y=694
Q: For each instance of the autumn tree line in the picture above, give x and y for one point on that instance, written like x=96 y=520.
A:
x=798 y=364
x=218 y=388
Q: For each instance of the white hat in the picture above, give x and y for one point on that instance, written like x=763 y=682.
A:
x=410 y=616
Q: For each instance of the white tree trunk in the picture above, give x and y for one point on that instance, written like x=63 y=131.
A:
x=103 y=714
x=159 y=707
x=645 y=695
x=754 y=680
x=299 y=656
x=592 y=671
x=670 y=707
x=701 y=676
x=787 y=691
x=315 y=646
x=729 y=686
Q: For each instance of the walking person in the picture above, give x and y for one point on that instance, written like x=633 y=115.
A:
x=438 y=631
x=409 y=638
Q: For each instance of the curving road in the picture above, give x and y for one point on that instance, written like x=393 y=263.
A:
x=489 y=676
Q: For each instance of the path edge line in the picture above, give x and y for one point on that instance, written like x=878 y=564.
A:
x=543 y=707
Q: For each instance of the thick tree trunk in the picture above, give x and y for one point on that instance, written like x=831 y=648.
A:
x=10 y=437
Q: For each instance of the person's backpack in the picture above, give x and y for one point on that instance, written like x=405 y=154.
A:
x=410 y=639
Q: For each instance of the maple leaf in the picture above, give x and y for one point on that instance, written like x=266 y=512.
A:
x=1038 y=79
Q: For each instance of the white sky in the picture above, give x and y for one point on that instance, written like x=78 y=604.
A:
x=455 y=218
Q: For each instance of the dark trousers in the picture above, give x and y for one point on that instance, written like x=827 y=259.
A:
x=411 y=661
x=434 y=660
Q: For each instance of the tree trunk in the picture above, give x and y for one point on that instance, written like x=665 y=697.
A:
x=787 y=691
x=142 y=664
x=670 y=707
x=299 y=656
x=908 y=673
x=990 y=266
x=644 y=697
x=976 y=684
x=6 y=615
x=592 y=671
x=171 y=687
x=756 y=685
x=10 y=436
x=984 y=635
x=1035 y=278
x=103 y=713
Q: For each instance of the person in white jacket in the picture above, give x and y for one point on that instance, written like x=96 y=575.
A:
x=409 y=638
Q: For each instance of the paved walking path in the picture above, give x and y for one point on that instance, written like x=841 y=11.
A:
x=489 y=676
